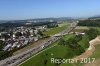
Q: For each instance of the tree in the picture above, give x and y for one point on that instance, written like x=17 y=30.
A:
x=6 y=36
x=27 y=33
x=62 y=42
x=1 y=45
x=78 y=38
x=94 y=23
x=4 y=54
x=92 y=33
x=18 y=34
x=40 y=33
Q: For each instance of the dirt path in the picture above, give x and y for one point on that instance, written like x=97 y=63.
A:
x=96 y=63
x=90 y=50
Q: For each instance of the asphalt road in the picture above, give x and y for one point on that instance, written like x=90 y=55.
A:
x=17 y=59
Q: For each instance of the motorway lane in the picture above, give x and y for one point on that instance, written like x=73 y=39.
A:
x=15 y=60
x=12 y=61
x=37 y=54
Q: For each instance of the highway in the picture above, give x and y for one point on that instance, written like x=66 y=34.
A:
x=17 y=59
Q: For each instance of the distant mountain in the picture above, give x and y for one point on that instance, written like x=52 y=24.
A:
x=51 y=19
x=3 y=21
x=39 y=20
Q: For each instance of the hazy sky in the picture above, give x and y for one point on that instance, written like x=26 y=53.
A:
x=25 y=9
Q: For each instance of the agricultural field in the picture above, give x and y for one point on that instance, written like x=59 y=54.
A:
x=80 y=28
x=60 y=28
x=98 y=28
x=63 y=24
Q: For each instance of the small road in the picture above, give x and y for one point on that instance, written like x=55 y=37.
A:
x=19 y=58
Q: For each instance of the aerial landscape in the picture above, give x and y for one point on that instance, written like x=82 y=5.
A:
x=49 y=33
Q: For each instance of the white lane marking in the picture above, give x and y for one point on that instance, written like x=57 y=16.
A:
x=36 y=54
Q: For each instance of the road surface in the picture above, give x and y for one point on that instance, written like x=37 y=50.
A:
x=17 y=59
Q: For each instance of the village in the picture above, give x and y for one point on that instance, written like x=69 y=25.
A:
x=22 y=36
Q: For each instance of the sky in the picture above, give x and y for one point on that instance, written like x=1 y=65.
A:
x=29 y=9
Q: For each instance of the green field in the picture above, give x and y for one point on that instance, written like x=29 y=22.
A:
x=63 y=24
x=58 y=51
x=98 y=28
x=80 y=28
x=52 y=31
x=96 y=53
x=63 y=50
x=84 y=44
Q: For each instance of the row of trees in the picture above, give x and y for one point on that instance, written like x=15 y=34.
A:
x=92 y=33
x=73 y=44
x=3 y=54
x=95 y=23
x=79 y=43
